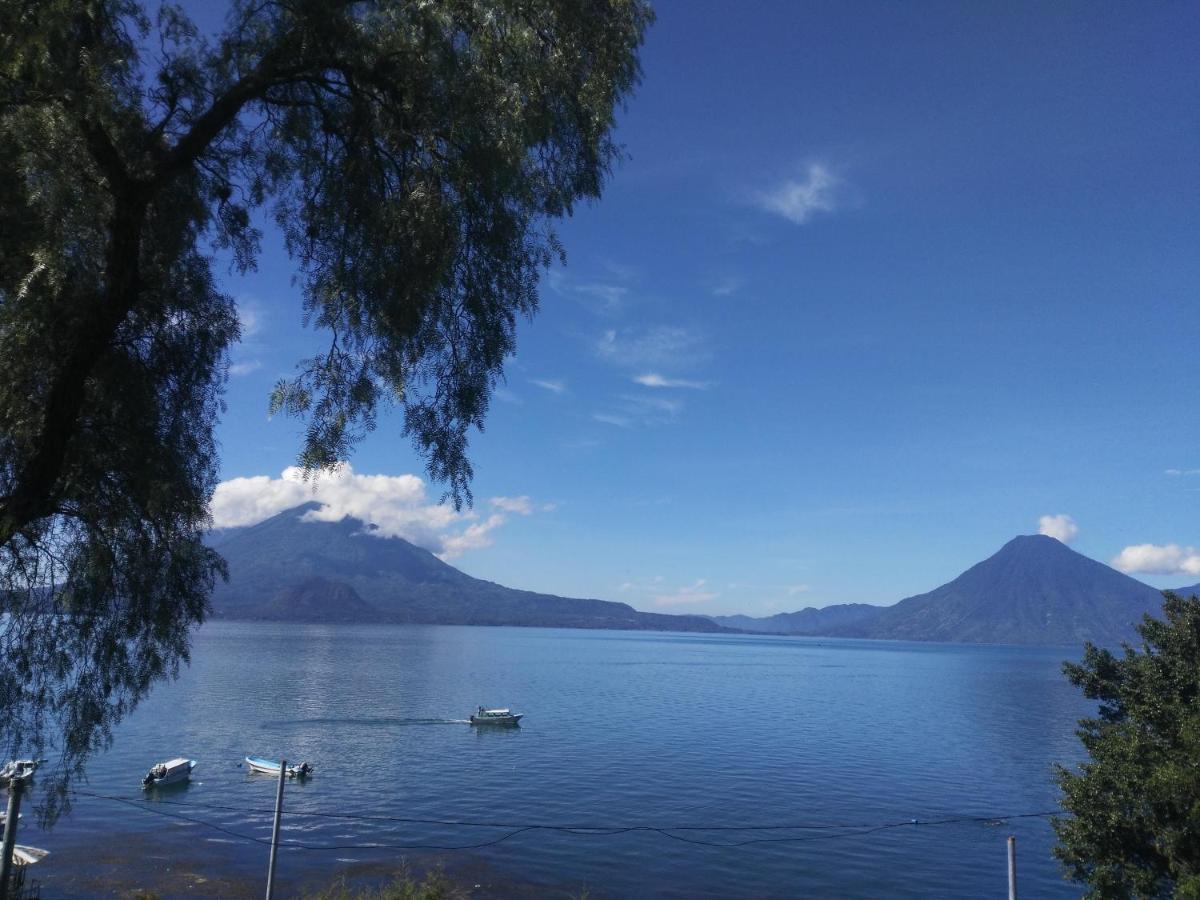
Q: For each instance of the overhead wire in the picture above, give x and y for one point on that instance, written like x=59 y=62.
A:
x=831 y=830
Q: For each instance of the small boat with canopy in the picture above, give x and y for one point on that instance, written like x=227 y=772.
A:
x=485 y=716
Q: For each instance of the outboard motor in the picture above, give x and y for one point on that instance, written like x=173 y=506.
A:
x=304 y=770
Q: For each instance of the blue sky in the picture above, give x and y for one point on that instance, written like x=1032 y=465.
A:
x=897 y=280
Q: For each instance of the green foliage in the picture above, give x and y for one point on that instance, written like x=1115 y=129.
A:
x=434 y=886
x=413 y=155
x=1134 y=828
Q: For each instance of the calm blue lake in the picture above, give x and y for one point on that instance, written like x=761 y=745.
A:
x=623 y=729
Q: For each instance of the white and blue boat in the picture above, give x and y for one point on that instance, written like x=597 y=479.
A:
x=173 y=771
x=18 y=770
x=271 y=767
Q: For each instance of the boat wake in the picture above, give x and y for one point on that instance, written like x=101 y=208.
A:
x=363 y=722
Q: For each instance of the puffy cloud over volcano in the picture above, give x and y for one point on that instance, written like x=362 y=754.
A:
x=398 y=505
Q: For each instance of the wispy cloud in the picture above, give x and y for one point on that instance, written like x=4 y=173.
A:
x=245 y=356
x=553 y=385
x=697 y=592
x=652 y=405
x=1176 y=473
x=245 y=367
x=473 y=537
x=613 y=419
x=668 y=346
x=398 y=505
x=630 y=410
x=1061 y=527
x=522 y=505
x=250 y=317
x=1156 y=559
x=654 y=380
x=799 y=200
x=600 y=297
x=726 y=287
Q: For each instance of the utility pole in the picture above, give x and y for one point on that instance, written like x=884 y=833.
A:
x=1012 y=868
x=15 y=786
x=274 y=829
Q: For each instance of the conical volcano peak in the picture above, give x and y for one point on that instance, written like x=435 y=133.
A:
x=1033 y=590
x=1034 y=542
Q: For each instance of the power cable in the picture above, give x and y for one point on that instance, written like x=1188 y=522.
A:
x=835 y=830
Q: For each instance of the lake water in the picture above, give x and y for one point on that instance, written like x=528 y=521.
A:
x=623 y=729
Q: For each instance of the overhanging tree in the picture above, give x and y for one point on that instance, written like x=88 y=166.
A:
x=414 y=156
x=1134 y=828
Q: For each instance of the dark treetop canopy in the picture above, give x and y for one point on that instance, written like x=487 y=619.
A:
x=1134 y=804
x=413 y=155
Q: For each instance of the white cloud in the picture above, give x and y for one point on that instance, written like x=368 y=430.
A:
x=630 y=410
x=554 y=386
x=692 y=593
x=250 y=317
x=245 y=367
x=522 y=505
x=669 y=346
x=798 y=201
x=603 y=298
x=651 y=407
x=1175 y=473
x=613 y=419
x=250 y=321
x=1155 y=559
x=654 y=380
x=472 y=537
x=1061 y=527
x=727 y=287
x=398 y=505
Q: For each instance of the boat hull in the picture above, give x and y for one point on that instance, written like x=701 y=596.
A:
x=28 y=856
x=177 y=773
x=271 y=767
x=503 y=721
x=18 y=769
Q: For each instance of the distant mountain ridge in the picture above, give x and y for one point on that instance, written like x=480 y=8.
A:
x=1034 y=590
x=810 y=620
x=289 y=569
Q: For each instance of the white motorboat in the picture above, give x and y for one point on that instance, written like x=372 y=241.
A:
x=18 y=768
x=172 y=771
x=485 y=716
x=27 y=856
x=271 y=767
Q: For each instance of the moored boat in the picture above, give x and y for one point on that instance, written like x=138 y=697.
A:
x=27 y=856
x=485 y=716
x=172 y=771
x=18 y=768
x=271 y=767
